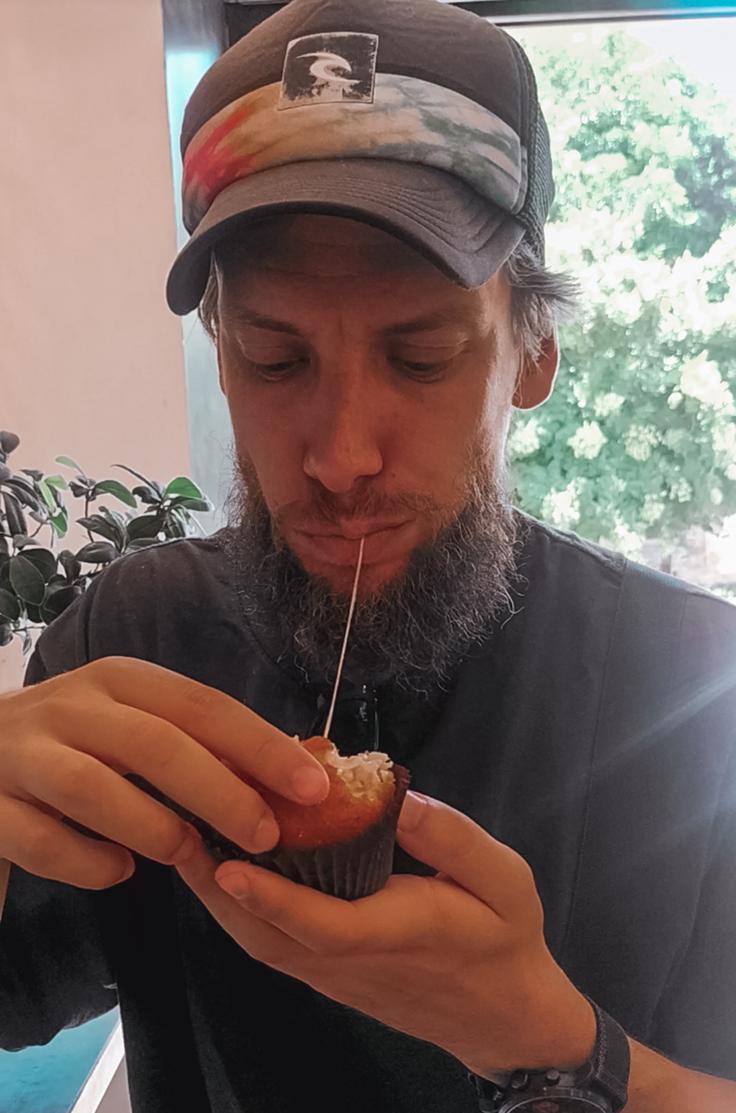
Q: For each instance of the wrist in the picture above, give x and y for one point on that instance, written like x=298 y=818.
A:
x=563 y=1036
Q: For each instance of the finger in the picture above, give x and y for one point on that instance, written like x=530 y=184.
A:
x=46 y=848
x=453 y=844
x=324 y=924
x=84 y=789
x=261 y=940
x=184 y=772
x=224 y=726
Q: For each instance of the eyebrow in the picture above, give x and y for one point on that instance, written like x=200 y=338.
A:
x=244 y=316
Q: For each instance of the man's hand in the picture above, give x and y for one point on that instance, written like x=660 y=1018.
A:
x=458 y=959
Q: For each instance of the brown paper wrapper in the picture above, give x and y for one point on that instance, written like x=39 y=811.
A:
x=348 y=870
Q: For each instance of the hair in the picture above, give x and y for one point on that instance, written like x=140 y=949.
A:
x=540 y=299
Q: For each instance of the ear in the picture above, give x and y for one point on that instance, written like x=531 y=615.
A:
x=537 y=377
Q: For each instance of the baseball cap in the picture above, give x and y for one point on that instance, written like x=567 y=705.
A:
x=412 y=115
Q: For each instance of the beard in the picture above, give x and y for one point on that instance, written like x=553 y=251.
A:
x=412 y=633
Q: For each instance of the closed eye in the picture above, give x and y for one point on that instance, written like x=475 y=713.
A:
x=421 y=370
x=275 y=372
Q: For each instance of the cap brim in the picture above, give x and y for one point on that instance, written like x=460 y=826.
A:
x=463 y=234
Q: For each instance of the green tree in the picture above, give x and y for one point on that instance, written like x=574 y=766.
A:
x=639 y=437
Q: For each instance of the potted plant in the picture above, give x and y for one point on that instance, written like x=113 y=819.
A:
x=38 y=583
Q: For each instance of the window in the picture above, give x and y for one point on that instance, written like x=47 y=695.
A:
x=636 y=449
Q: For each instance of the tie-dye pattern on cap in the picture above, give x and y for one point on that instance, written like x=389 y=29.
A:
x=408 y=119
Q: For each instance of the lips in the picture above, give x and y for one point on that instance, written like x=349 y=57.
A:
x=339 y=547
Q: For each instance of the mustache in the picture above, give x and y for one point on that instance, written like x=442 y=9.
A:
x=324 y=508
x=327 y=509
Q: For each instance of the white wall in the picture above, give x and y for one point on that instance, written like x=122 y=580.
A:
x=91 y=360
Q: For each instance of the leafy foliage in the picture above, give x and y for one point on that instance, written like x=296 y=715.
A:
x=37 y=584
x=639 y=438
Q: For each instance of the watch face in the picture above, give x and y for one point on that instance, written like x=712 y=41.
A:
x=565 y=1103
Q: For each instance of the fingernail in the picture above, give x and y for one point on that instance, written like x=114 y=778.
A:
x=310 y=785
x=412 y=811
x=191 y=841
x=235 y=884
x=266 y=834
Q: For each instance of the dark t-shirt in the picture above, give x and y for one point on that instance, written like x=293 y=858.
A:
x=592 y=731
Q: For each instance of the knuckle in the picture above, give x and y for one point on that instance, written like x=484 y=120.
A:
x=40 y=846
x=99 y=669
x=171 y=844
x=201 y=699
x=155 y=744
x=524 y=874
x=464 y=844
x=78 y=782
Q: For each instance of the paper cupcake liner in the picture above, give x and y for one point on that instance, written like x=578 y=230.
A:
x=348 y=870
x=351 y=869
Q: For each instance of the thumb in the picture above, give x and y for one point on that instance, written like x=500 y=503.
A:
x=453 y=844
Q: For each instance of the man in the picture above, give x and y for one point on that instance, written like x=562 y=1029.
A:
x=366 y=186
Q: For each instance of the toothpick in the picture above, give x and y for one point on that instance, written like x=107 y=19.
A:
x=358 y=567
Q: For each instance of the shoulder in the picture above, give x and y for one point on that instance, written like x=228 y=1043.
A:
x=587 y=571
x=141 y=605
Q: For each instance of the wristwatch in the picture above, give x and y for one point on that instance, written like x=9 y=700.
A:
x=599 y=1086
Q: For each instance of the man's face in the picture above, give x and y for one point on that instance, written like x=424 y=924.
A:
x=365 y=390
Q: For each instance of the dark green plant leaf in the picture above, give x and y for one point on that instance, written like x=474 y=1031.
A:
x=33 y=472
x=24 y=492
x=4 y=546
x=98 y=552
x=119 y=520
x=16 y=519
x=56 y=602
x=70 y=564
x=78 y=489
x=9 y=605
x=142 y=543
x=97 y=524
x=182 y=486
x=69 y=463
x=191 y=504
x=5 y=472
x=44 y=560
x=27 y=581
x=57 y=580
x=58 y=482
x=146 y=495
x=8 y=441
x=34 y=612
x=112 y=487
x=147 y=525
x=22 y=541
x=6 y=635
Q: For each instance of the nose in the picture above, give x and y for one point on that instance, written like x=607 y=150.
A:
x=342 y=445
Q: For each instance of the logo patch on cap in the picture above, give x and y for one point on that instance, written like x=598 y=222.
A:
x=324 y=69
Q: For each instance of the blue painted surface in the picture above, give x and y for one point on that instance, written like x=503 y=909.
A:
x=48 y=1079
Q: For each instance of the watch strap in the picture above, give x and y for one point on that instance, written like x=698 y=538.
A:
x=611 y=1058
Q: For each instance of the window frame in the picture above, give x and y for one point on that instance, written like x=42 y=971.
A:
x=241 y=16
